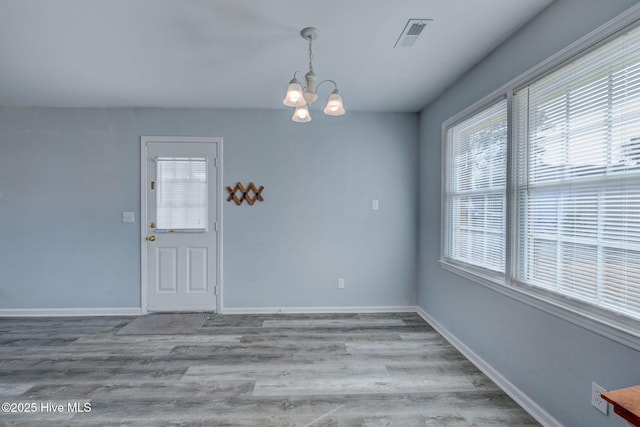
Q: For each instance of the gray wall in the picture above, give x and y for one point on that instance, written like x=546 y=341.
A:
x=549 y=359
x=66 y=175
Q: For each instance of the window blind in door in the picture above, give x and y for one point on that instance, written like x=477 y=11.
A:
x=182 y=199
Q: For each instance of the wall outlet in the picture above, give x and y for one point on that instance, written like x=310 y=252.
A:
x=597 y=401
x=340 y=283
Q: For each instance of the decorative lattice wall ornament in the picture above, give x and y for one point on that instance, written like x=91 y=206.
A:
x=251 y=194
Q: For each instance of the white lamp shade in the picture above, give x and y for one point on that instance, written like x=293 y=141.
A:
x=294 y=97
x=334 y=105
x=301 y=115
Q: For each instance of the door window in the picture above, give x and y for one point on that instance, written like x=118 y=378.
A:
x=182 y=188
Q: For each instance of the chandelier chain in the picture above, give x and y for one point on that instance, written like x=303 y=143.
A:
x=310 y=54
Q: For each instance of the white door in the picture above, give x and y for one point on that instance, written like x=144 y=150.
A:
x=181 y=233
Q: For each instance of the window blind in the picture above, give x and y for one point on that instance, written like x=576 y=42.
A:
x=182 y=200
x=577 y=178
x=475 y=195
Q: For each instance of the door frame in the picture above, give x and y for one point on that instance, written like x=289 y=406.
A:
x=144 y=140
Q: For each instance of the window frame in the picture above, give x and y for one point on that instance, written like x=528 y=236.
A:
x=446 y=208
x=619 y=328
x=162 y=208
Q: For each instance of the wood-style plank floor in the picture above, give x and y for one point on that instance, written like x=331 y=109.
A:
x=258 y=370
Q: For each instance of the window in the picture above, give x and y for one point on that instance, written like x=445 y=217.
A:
x=577 y=176
x=475 y=196
x=182 y=194
x=541 y=192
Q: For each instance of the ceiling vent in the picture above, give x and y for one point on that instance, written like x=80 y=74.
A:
x=411 y=32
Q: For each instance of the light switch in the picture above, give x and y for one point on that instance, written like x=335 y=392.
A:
x=375 y=205
x=128 y=217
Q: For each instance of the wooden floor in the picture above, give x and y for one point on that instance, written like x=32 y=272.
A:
x=260 y=370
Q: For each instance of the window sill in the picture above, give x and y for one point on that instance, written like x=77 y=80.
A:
x=616 y=329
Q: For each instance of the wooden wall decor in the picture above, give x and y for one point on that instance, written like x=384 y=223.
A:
x=251 y=194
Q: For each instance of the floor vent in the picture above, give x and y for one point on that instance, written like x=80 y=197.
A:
x=411 y=32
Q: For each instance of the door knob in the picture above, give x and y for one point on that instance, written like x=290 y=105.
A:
x=151 y=238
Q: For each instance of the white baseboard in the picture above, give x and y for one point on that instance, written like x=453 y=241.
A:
x=69 y=312
x=535 y=410
x=136 y=311
x=316 y=310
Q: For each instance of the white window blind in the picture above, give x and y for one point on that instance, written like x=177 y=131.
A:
x=577 y=179
x=475 y=196
x=182 y=187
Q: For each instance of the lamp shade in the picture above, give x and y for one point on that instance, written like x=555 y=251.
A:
x=301 y=115
x=294 y=97
x=334 y=104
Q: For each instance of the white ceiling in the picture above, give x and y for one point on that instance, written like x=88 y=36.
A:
x=241 y=53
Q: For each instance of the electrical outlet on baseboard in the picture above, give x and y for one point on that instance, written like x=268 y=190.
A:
x=596 y=399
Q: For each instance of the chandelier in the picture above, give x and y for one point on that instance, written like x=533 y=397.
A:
x=302 y=99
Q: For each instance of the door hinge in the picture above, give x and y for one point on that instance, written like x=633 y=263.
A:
x=215 y=161
x=153 y=185
x=215 y=290
x=215 y=226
